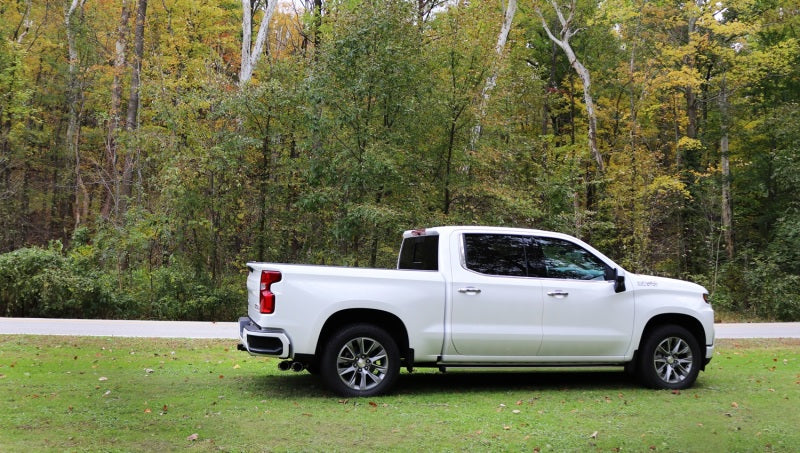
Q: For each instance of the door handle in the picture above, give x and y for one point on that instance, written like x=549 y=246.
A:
x=558 y=294
x=469 y=290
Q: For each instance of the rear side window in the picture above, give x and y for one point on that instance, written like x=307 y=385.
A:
x=420 y=253
x=497 y=254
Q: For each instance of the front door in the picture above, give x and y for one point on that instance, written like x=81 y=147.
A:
x=582 y=314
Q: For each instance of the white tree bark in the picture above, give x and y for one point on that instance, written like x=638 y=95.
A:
x=491 y=82
x=727 y=201
x=24 y=24
x=73 y=121
x=251 y=53
x=112 y=177
x=566 y=33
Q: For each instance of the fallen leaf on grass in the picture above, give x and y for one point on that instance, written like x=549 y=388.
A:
x=193 y=437
x=734 y=404
x=147 y=411
x=373 y=404
x=593 y=436
x=236 y=367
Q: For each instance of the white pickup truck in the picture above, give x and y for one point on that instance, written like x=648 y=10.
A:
x=477 y=297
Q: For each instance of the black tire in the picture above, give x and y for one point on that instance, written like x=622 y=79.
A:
x=669 y=358
x=360 y=360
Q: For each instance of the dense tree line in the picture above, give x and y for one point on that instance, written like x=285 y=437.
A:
x=150 y=149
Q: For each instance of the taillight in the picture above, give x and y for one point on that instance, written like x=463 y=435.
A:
x=267 y=297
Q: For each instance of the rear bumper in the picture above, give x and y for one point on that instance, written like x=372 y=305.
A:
x=262 y=341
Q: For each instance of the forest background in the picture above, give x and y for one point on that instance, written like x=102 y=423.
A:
x=151 y=148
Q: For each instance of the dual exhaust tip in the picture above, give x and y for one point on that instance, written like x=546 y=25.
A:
x=287 y=365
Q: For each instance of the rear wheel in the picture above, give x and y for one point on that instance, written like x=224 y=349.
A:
x=670 y=358
x=360 y=360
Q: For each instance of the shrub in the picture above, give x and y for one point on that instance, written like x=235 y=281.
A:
x=39 y=282
x=176 y=291
x=762 y=288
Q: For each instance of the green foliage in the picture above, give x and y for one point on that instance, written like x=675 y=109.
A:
x=360 y=122
x=761 y=288
x=37 y=282
x=177 y=291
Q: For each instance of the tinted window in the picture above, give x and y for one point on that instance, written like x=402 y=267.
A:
x=563 y=259
x=497 y=254
x=420 y=253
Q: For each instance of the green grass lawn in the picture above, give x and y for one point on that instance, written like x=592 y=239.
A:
x=123 y=394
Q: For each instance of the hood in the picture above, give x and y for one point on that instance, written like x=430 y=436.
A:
x=644 y=282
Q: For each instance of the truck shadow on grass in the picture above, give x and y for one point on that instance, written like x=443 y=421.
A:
x=292 y=385
x=493 y=380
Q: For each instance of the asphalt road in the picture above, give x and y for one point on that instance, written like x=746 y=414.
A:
x=230 y=330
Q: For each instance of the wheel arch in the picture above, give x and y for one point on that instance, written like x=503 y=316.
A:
x=389 y=322
x=690 y=323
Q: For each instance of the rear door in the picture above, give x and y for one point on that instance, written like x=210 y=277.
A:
x=496 y=308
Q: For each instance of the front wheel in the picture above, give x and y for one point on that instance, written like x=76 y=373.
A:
x=360 y=360
x=670 y=358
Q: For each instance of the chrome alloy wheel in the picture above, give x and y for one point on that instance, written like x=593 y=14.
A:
x=673 y=360
x=362 y=363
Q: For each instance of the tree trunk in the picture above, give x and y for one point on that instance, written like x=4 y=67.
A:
x=250 y=56
x=24 y=24
x=551 y=88
x=132 y=120
x=727 y=202
x=74 y=96
x=566 y=33
x=491 y=82
x=112 y=179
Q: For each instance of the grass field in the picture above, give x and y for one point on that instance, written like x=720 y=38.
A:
x=124 y=394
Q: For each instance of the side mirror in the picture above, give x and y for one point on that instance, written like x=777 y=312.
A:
x=619 y=281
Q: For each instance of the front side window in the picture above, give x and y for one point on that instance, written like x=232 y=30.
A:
x=563 y=259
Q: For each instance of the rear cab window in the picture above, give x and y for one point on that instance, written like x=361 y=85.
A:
x=419 y=253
